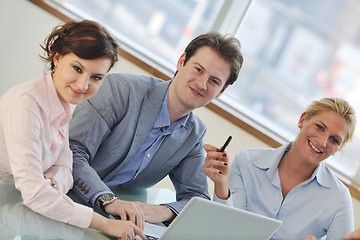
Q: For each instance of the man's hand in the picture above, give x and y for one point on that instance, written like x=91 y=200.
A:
x=156 y=213
x=131 y=211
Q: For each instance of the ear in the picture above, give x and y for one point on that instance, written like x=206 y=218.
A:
x=181 y=61
x=302 y=119
x=56 y=58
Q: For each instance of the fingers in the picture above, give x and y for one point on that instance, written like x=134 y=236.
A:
x=139 y=232
x=210 y=148
x=217 y=160
x=354 y=235
x=122 y=214
x=217 y=163
x=131 y=211
x=137 y=215
x=53 y=182
x=133 y=230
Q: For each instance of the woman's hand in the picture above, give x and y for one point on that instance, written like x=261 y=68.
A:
x=124 y=230
x=53 y=182
x=216 y=167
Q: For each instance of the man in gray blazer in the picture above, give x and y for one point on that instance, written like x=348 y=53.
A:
x=138 y=129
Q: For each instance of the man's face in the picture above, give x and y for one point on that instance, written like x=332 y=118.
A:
x=200 y=80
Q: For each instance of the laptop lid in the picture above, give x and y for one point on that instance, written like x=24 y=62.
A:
x=204 y=219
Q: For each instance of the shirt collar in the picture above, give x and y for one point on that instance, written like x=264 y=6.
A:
x=59 y=113
x=271 y=162
x=163 y=119
x=321 y=176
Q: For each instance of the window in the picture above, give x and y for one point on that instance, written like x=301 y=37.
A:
x=295 y=51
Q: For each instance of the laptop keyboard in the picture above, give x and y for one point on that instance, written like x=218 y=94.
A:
x=150 y=237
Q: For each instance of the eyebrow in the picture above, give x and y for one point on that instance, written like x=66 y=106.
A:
x=96 y=74
x=213 y=77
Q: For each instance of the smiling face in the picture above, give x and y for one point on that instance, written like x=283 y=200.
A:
x=77 y=79
x=198 y=81
x=320 y=136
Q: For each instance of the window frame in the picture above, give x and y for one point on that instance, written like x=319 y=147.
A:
x=217 y=106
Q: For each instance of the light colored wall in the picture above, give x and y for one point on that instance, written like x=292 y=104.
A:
x=24 y=26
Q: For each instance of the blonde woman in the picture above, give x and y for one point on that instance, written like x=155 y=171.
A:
x=292 y=183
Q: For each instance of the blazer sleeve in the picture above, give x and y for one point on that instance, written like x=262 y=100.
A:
x=91 y=124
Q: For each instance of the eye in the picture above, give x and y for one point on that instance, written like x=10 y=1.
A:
x=198 y=69
x=77 y=69
x=334 y=140
x=97 y=78
x=214 y=81
x=321 y=128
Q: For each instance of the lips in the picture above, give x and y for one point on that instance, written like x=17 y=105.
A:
x=196 y=92
x=314 y=148
x=77 y=92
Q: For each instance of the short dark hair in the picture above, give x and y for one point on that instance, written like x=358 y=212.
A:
x=86 y=39
x=226 y=46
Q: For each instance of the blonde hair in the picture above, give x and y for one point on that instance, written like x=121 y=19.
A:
x=338 y=105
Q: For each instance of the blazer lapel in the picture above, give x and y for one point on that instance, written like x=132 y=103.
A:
x=147 y=117
x=171 y=145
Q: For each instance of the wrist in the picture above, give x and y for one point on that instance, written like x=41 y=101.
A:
x=104 y=200
x=222 y=191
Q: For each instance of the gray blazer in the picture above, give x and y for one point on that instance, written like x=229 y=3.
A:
x=108 y=129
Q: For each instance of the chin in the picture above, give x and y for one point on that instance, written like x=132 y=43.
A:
x=76 y=101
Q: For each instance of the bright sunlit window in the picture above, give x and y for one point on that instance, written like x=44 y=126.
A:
x=294 y=51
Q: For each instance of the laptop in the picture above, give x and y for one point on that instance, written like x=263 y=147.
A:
x=204 y=219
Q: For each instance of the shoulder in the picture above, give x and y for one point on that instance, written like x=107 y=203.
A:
x=327 y=178
x=253 y=154
x=131 y=80
x=198 y=124
x=123 y=85
x=263 y=158
x=30 y=96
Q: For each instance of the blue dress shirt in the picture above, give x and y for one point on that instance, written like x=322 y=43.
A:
x=320 y=206
x=160 y=130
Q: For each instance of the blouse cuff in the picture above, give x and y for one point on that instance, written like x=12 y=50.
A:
x=228 y=201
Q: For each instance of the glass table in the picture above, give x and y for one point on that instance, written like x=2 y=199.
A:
x=18 y=222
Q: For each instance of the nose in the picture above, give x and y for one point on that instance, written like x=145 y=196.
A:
x=201 y=82
x=323 y=140
x=83 y=83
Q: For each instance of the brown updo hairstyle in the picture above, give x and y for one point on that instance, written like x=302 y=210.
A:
x=86 y=39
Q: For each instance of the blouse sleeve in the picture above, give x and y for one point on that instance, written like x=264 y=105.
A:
x=343 y=220
x=237 y=189
x=22 y=129
x=62 y=168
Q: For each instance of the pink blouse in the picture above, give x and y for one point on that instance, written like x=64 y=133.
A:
x=33 y=143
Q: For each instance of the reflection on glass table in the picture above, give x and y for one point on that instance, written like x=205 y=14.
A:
x=19 y=222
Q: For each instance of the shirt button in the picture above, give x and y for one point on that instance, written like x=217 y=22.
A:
x=148 y=155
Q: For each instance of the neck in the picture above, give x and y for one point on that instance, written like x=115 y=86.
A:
x=294 y=166
x=176 y=110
